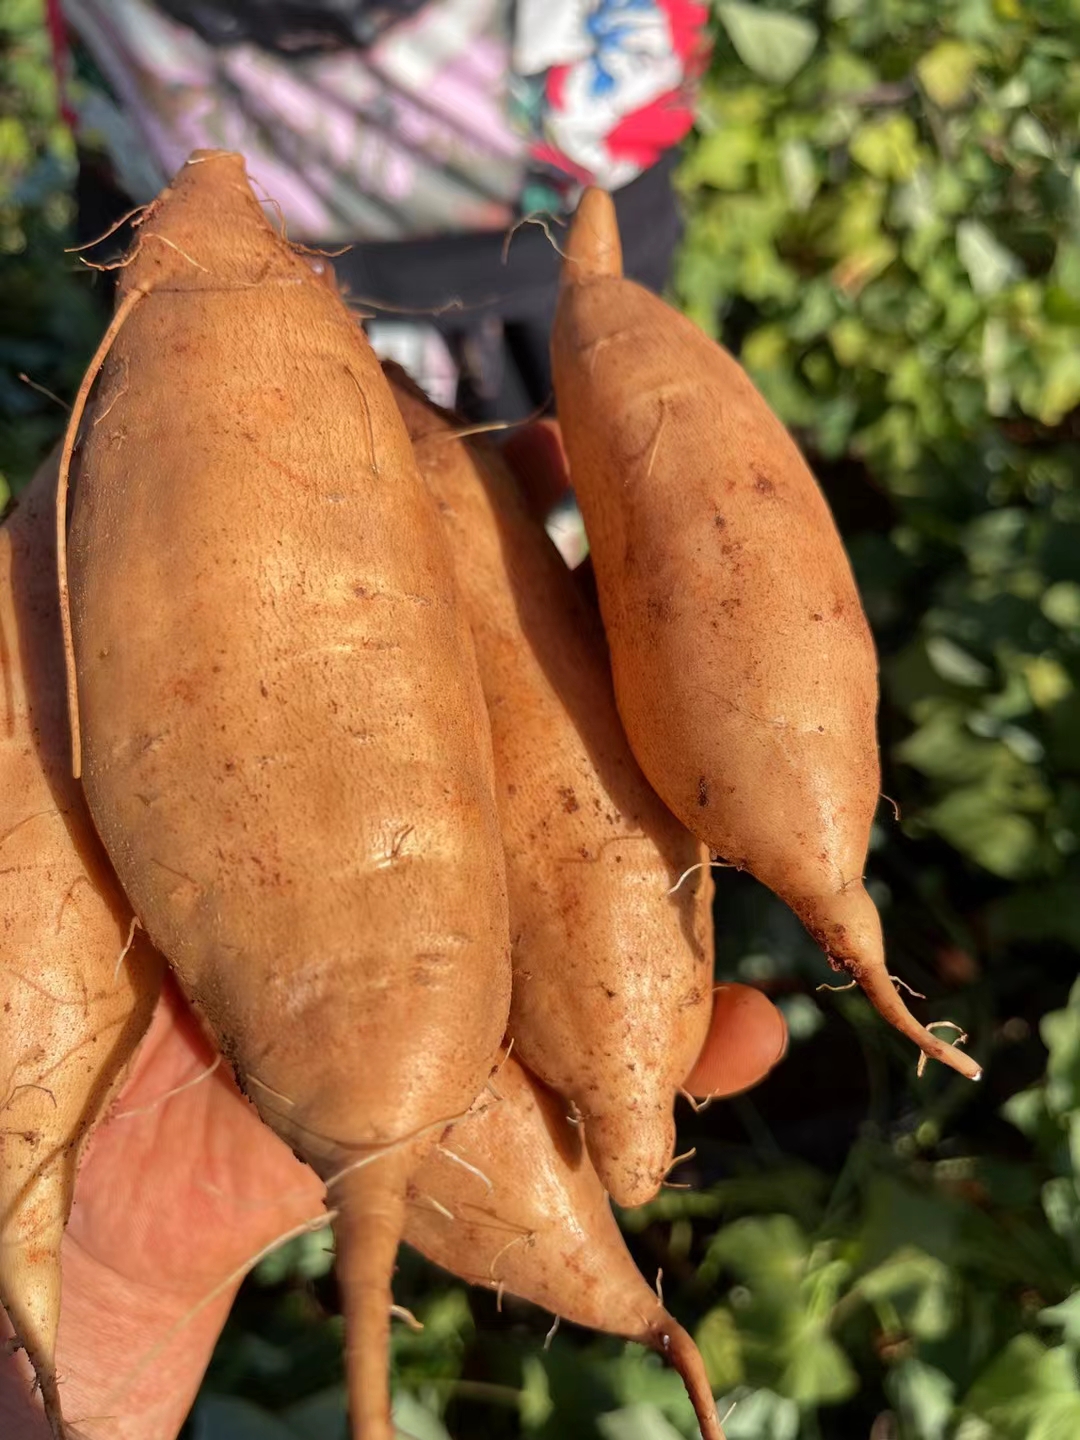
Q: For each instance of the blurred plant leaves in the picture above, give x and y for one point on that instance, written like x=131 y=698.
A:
x=775 y=46
x=1028 y=1392
x=636 y=1422
x=226 y=1417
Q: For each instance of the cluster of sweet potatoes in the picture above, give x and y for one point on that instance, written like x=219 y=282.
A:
x=299 y=696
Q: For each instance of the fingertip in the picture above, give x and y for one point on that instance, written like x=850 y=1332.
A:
x=747 y=1038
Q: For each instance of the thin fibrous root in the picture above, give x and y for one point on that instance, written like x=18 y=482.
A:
x=961 y=1039
x=659 y=1285
x=154 y=235
x=550 y=1336
x=909 y=988
x=43 y=390
x=535 y=217
x=525 y=1236
x=443 y=437
x=465 y=1165
x=89 y=244
x=127 y=946
x=401 y=1312
x=436 y=1205
x=698 y=1106
x=198 y=1079
x=713 y=865
x=277 y=1094
x=380 y=1152
x=678 y=1160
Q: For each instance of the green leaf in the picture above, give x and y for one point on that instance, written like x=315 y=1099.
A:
x=535 y=1403
x=801 y=178
x=946 y=72
x=1028 y=1392
x=1067 y=1315
x=414 y=1421
x=924 y=1397
x=887 y=147
x=1028 y=135
x=717 y=1338
x=998 y=839
x=636 y=1422
x=762 y=1250
x=1060 y=1033
x=759 y=1415
x=818 y=1372
x=774 y=46
x=1061 y=604
x=989 y=265
x=918 y=1287
x=954 y=664
x=722 y=160
x=1059 y=391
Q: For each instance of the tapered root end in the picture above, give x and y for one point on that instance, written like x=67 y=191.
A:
x=39 y=1344
x=371 y=1218
x=631 y=1151
x=678 y=1349
x=593 y=250
x=848 y=929
x=30 y=1287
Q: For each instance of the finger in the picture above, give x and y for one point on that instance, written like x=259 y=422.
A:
x=747 y=1037
x=536 y=455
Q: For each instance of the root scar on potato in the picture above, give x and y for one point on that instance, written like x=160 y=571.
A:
x=77 y=409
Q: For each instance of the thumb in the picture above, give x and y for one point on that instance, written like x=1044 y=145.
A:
x=747 y=1037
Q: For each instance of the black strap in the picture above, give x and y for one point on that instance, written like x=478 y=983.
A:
x=293 y=26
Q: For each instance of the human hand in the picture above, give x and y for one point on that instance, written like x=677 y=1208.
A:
x=181 y=1187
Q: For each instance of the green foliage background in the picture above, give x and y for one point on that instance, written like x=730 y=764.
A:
x=884 y=223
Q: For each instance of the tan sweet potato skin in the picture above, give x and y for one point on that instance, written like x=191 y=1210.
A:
x=544 y=1228
x=727 y=598
x=745 y=671
x=283 y=735
x=71 y=1011
x=612 y=975
x=531 y=1216
x=285 y=747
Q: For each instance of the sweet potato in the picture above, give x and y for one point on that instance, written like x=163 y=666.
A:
x=744 y=668
x=612 y=973
x=283 y=738
x=511 y=1201
x=74 y=998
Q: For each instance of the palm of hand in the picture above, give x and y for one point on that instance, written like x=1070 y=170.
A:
x=182 y=1186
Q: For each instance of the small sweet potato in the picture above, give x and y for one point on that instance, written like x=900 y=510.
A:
x=510 y=1200
x=612 y=972
x=744 y=667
